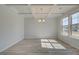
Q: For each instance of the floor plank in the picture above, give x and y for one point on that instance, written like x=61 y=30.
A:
x=34 y=47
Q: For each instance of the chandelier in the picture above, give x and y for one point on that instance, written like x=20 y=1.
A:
x=40 y=13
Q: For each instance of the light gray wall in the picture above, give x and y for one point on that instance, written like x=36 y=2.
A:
x=72 y=40
x=34 y=29
x=11 y=27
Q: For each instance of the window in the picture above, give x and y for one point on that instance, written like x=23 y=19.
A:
x=75 y=24
x=71 y=25
x=65 y=26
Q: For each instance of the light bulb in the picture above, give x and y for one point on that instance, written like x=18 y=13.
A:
x=43 y=20
x=39 y=20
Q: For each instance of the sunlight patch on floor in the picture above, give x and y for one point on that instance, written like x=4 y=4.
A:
x=52 y=40
x=44 y=40
x=46 y=45
x=58 y=46
x=51 y=44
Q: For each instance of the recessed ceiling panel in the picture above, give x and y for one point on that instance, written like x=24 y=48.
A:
x=40 y=11
x=43 y=11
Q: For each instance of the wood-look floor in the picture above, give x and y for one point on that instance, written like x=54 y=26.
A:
x=33 y=47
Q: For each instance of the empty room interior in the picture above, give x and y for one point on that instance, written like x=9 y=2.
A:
x=39 y=29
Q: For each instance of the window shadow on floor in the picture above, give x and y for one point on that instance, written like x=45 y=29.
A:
x=51 y=44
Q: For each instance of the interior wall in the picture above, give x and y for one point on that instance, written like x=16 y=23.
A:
x=11 y=27
x=72 y=40
x=34 y=29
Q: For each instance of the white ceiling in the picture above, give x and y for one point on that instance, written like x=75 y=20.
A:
x=43 y=11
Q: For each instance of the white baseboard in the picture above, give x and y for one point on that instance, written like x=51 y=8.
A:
x=54 y=37
x=10 y=45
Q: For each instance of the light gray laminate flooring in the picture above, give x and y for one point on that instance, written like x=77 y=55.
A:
x=40 y=47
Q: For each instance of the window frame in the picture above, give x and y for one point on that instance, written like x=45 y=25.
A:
x=72 y=24
x=63 y=27
x=69 y=25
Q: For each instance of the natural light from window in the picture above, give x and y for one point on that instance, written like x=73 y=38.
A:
x=51 y=44
x=75 y=24
x=65 y=26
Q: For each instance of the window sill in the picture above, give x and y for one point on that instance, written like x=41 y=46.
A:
x=75 y=37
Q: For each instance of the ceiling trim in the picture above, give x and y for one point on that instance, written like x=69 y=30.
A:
x=44 y=4
x=16 y=4
x=40 y=13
